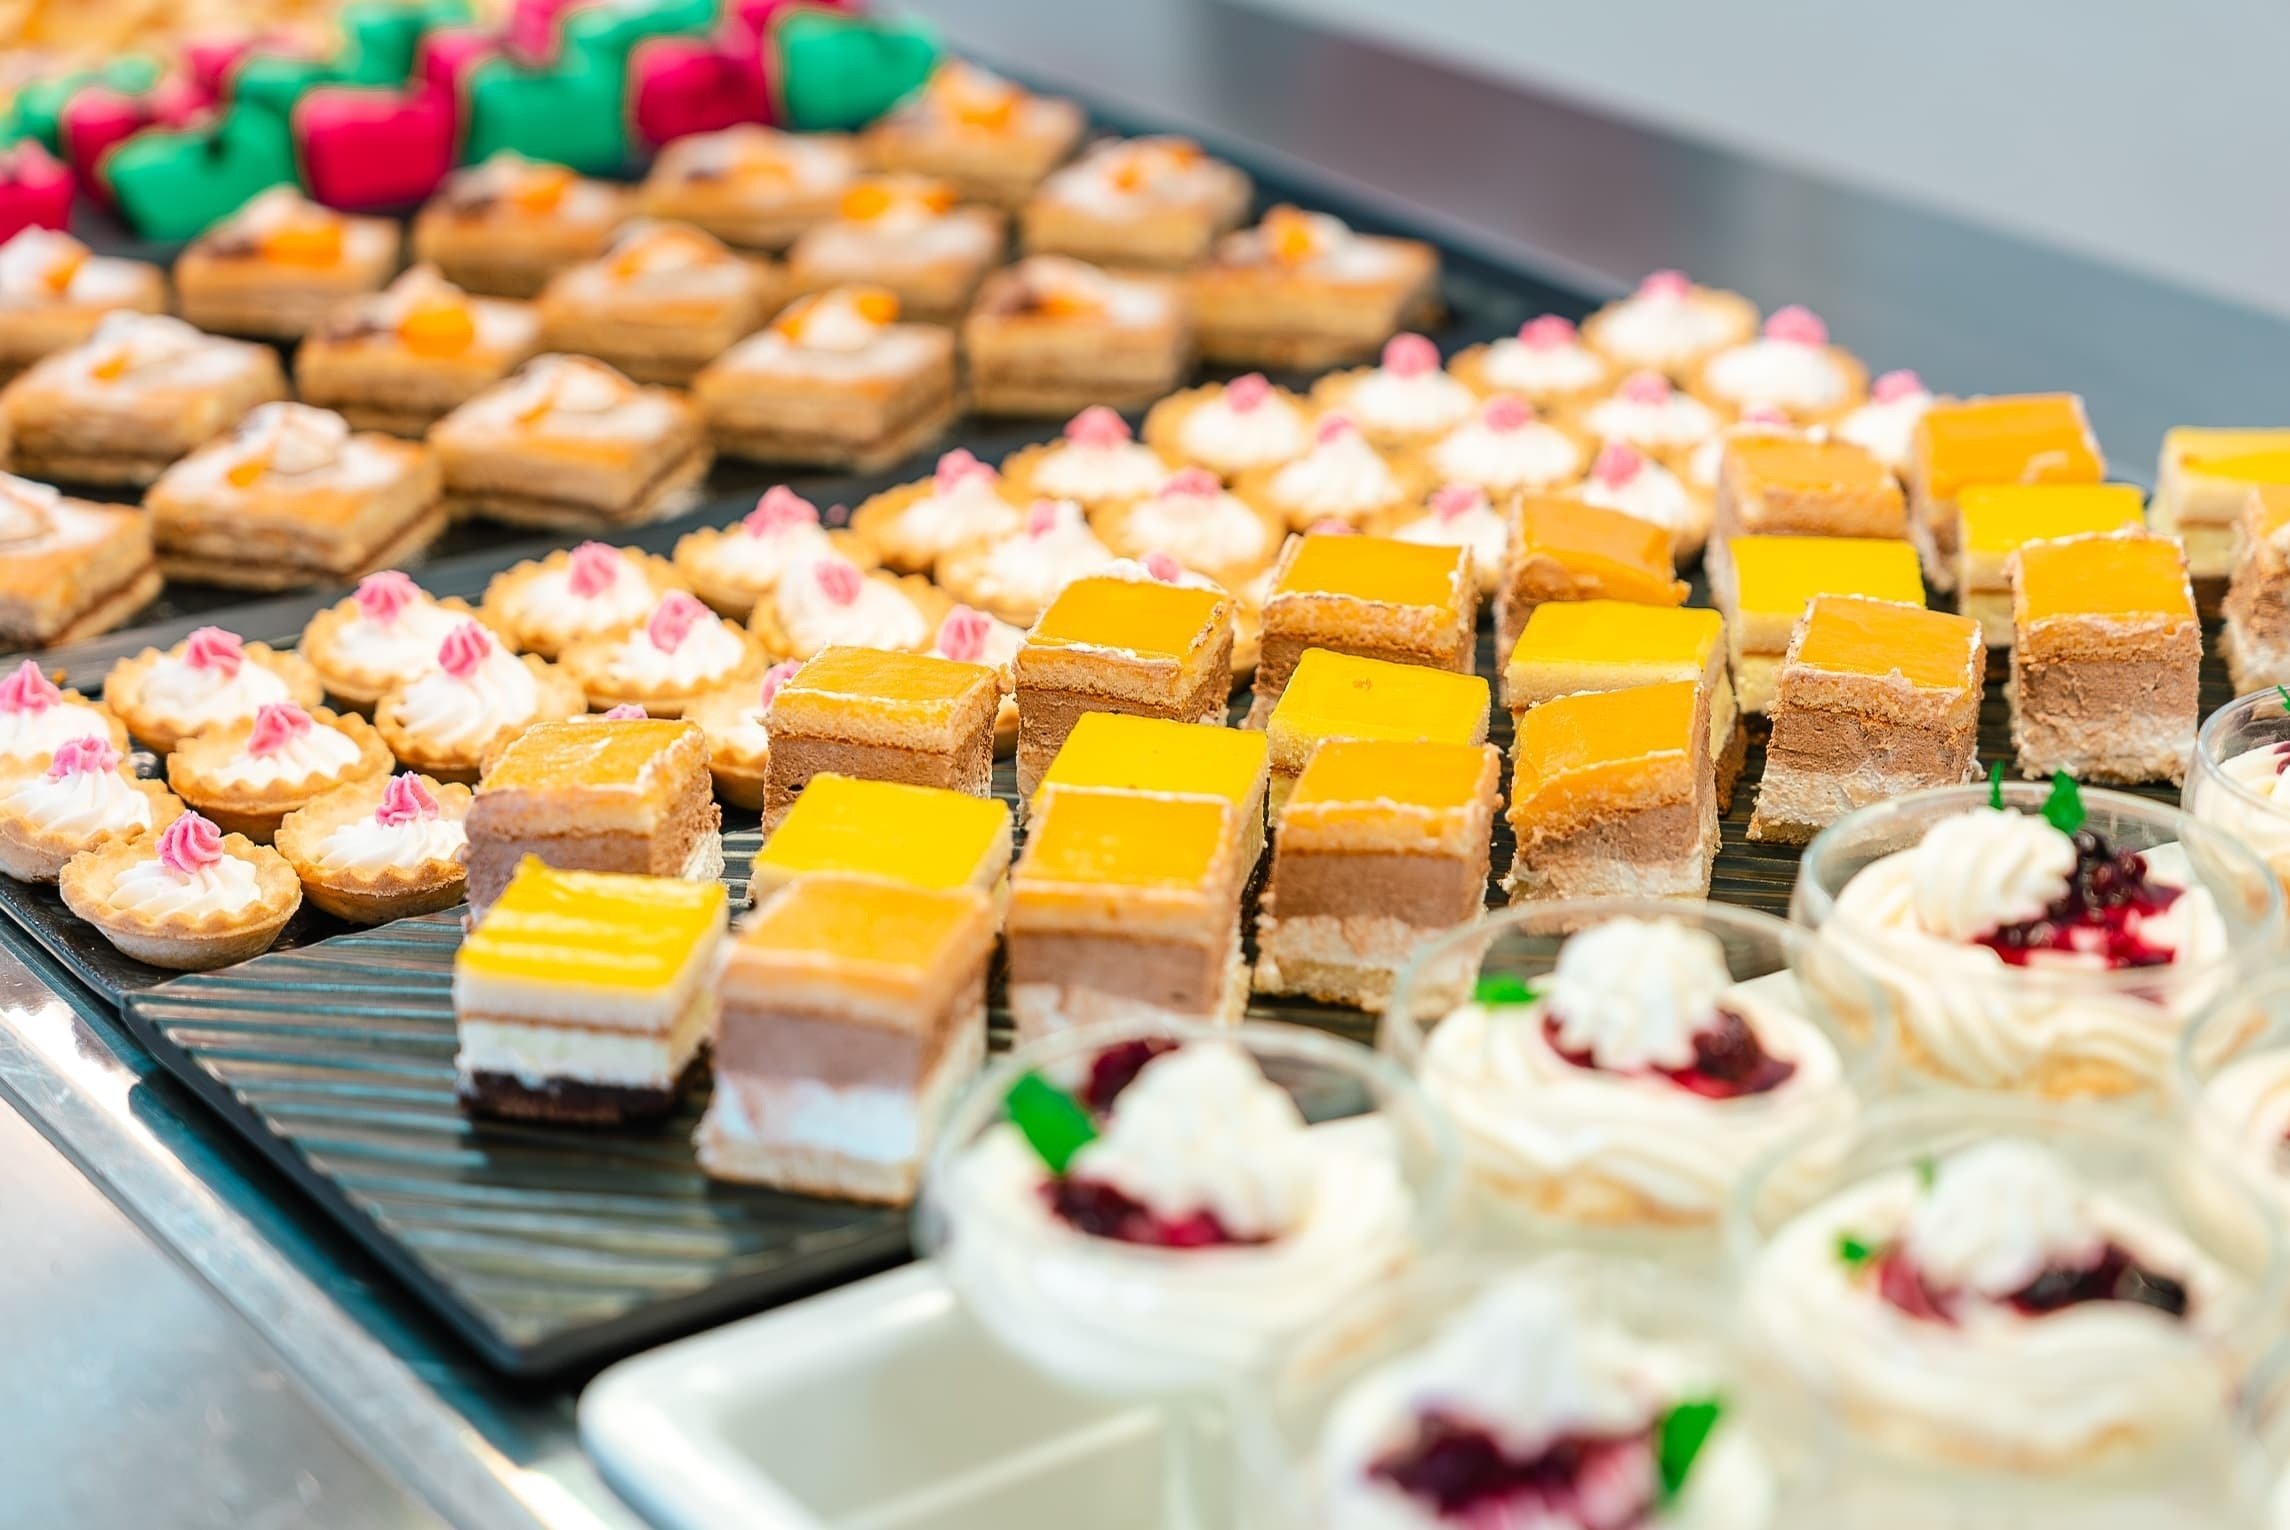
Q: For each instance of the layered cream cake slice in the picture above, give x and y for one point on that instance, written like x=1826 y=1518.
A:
x=923 y=836
x=2256 y=639
x=2201 y=485
x=1611 y=796
x=2106 y=653
x=1117 y=752
x=583 y=997
x=1996 y=520
x=1383 y=844
x=854 y=1010
x=882 y=716
x=1341 y=695
x=1764 y=583
x=1379 y=597
x=2007 y=438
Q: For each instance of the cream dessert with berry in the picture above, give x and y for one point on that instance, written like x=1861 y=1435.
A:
x=2247 y=796
x=1230 y=428
x=1670 y=324
x=1790 y=365
x=1546 y=364
x=1625 y=479
x=479 y=696
x=1506 y=449
x=38 y=717
x=1097 y=462
x=189 y=898
x=914 y=525
x=1018 y=575
x=1406 y=400
x=1886 y=425
x=380 y=849
x=248 y=775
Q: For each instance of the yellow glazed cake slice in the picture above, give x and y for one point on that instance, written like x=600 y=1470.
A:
x=2202 y=483
x=1791 y=486
x=1611 y=796
x=1997 y=520
x=1766 y=582
x=884 y=716
x=1562 y=549
x=1340 y=695
x=2105 y=653
x=2008 y=438
x=2256 y=642
x=1378 y=597
x=924 y=836
x=582 y=997
x=1117 y=752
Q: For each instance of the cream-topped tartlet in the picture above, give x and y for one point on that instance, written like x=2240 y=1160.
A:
x=836 y=604
x=1096 y=462
x=679 y=652
x=1017 y=575
x=912 y=526
x=211 y=677
x=739 y=749
x=1461 y=515
x=1406 y=400
x=1191 y=516
x=249 y=774
x=1647 y=412
x=38 y=717
x=1230 y=428
x=593 y=590
x=384 y=633
x=1546 y=364
x=188 y=898
x=1507 y=449
x=82 y=796
x=1341 y=477
x=1670 y=324
x=445 y=723
x=733 y=568
x=1885 y=426
x=380 y=849
x=1790 y=365
x=1625 y=479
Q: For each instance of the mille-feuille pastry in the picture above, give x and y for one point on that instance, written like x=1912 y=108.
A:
x=1341 y=477
x=922 y=836
x=596 y=794
x=661 y=302
x=82 y=796
x=1380 y=846
x=1230 y=427
x=1113 y=644
x=1153 y=202
x=2201 y=485
x=680 y=651
x=1302 y=290
x=1017 y=575
x=275 y=268
x=2009 y=438
x=734 y=567
x=835 y=381
x=1049 y=335
x=1875 y=700
x=1406 y=400
x=1670 y=324
x=905 y=233
x=583 y=998
x=1613 y=795
x=913 y=525
x=208 y=679
x=1625 y=479
x=994 y=142
x=1786 y=486
x=753 y=187
x=2255 y=641
x=38 y=717
x=545 y=605
x=504 y=227
x=730 y=718
x=383 y=634
x=2106 y=649
x=247 y=775
x=1341 y=695
x=1791 y=366
x=1379 y=598
x=54 y=292
x=1505 y=448
x=448 y=719
x=1113 y=751
x=1564 y=549
x=1096 y=462
x=1996 y=520
x=143 y=390
x=404 y=358
x=1886 y=424
x=570 y=444
x=1125 y=906
x=1764 y=583
x=1192 y=517
x=846 y=999
x=384 y=848
x=189 y=898
x=881 y=716
x=1546 y=364
x=1461 y=515
x=292 y=498
x=832 y=602
x=69 y=569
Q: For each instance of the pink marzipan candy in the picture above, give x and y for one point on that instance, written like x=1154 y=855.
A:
x=1796 y=325
x=405 y=800
x=1456 y=500
x=678 y=86
x=277 y=724
x=1333 y=428
x=83 y=757
x=1548 y=333
x=593 y=568
x=1164 y=567
x=214 y=648
x=1892 y=387
x=780 y=510
x=673 y=620
x=958 y=467
x=1099 y=427
x=364 y=148
x=775 y=677
x=28 y=690
x=1645 y=388
x=839 y=579
x=1410 y=356
x=963 y=634
x=627 y=711
x=35 y=190
x=383 y=597
x=190 y=845
x=1247 y=393
x=464 y=649
x=1666 y=286
x=1618 y=462
x=1506 y=411
x=1192 y=483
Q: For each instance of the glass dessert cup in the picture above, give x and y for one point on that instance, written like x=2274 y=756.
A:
x=1181 y=1327
x=2011 y=1410
x=1971 y=1019
x=1412 y=1383
x=2234 y=795
x=1563 y=1151
x=2231 y=1085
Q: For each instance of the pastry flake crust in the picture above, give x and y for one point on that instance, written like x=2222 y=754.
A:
x=658 y=327
x=183 y=941
x=1048 y=337
x=930 y=602
x=280 y=283
x=1157 y=203
x=770 y=399
x=502 y=228
x=70 y=569
x=403 y=359
x=591 y=662
x=934 y=264
x=393 y=891
x=74 y=294
x=726 y=590
x=1295 y=293
x=751 y=186
x=70 y=419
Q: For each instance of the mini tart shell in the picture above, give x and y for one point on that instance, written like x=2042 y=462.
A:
x=728 y=595
x=1469 y=367
x=589 y=662
x=113 y=729
x=962 y=575
x=1565 y=423
x=254 y=811
x=738 y=772
x=1332 y=394
x=1165 y=427
x=31 y=852
x=1409 y=471
x=1021 y=471
x=536 y=637
x=559 y=697
x=1112 y=526
x=1740 y=318
x=123 y=690
x=876 y=523
x=370 y=897
x=926 y=597
x=1848 y=366
x=184 y=941
x=354 y=685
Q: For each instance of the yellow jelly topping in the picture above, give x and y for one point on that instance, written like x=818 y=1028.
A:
x=889 y=676
x=584 y=752
x=1599 y=750
x=1374 y=568
x=2014 y=438
x=1338 y=695
x=1930 y=649
x=2273 y=502
x=1792 y=463
x=916 y=834
x=1414 y=772
x=2246 y=467
x=2000 y=517
x=1629 y=558
x=1135 y=615
x=1776 y=575
x=1154 y=754
x=861 y=920
x=593 y=929
x=2104 y=576
x=1616 y=632
x=1126 y=839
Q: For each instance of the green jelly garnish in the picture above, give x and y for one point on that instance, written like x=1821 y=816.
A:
x=1052 y=1121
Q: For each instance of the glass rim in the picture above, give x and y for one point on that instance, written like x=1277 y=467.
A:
x=1433 y=1204
x=2212 y=768
x=2260 y=981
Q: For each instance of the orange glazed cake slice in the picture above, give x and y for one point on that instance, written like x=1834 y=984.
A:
x=1796 y=486
x=583 y=997
x=1123 y=906
x=1108 y=644
x=1341 y=695
x=1383 y=844
x=1996 y=520
x=881 y=715
x=2105 y=654
x=2010 y=438
x=1763 y=585
x=1875 y=699
x=1114 y=751
x=924 y=836
x=1605 y=645
x=854 y=1010
x=1380 y=598
x=2201 y=485
x=596 y=794
x=1611 y=796
x=2256 y=641
x=1562 y=549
